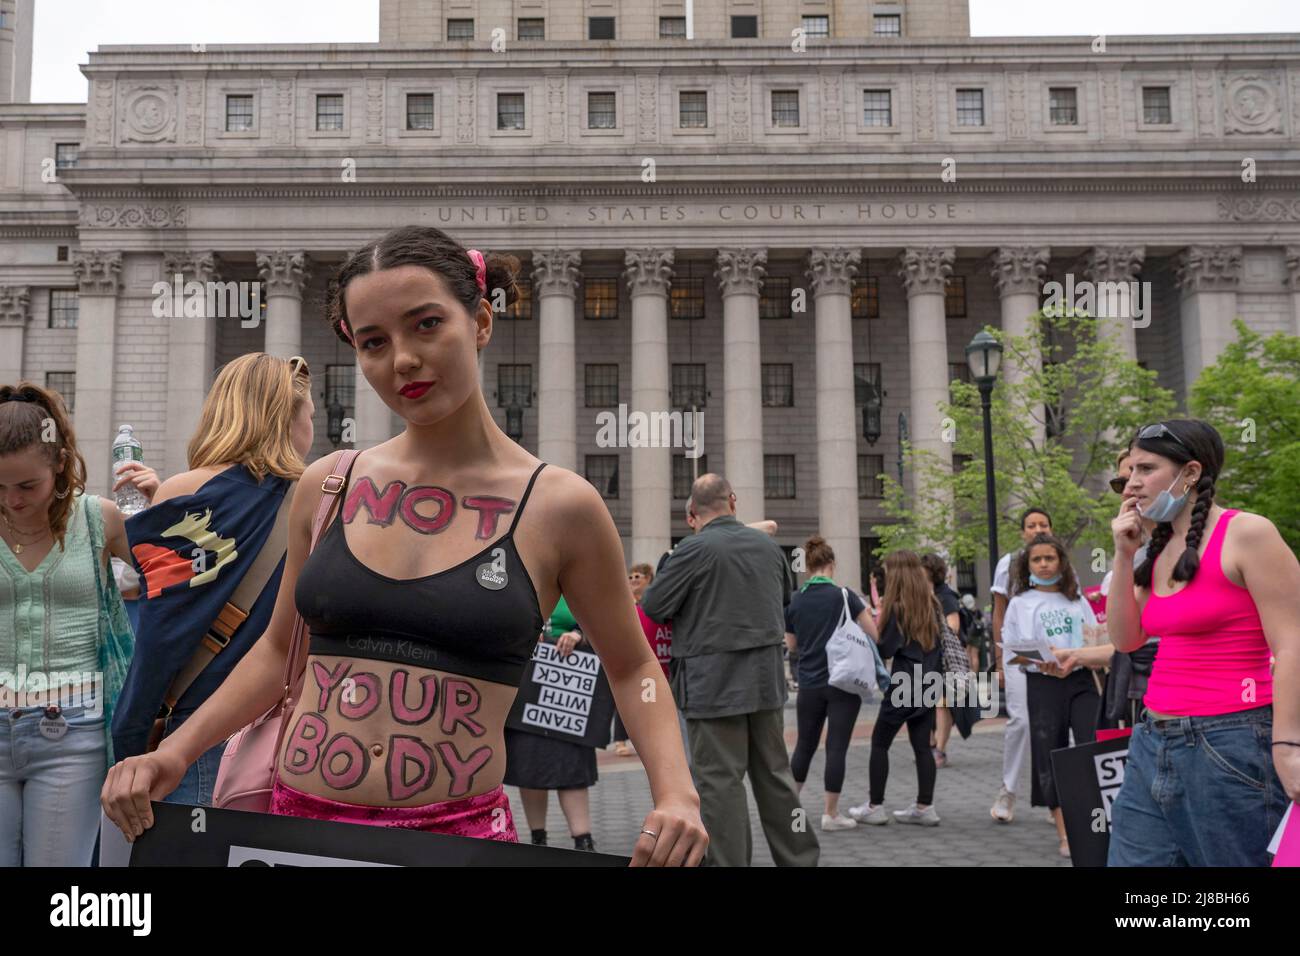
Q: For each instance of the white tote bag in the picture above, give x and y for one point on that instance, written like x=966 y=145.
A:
x=852 y=658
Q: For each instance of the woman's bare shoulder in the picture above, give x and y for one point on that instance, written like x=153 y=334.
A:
x=186 y=483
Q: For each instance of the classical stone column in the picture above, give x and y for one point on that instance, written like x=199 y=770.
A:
x=1112 y=270
x=555 y=277
x=99 y=279
x=14 y=312
x=1017 y=275
x=1293 y=282
x=923 y=271
x=1208 y=277
x=192 y=354
x=649 y=274
x=283 y=275
x=374 y=419
x=740 y=274
x=831 y=272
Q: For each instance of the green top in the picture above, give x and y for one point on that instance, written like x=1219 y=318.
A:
x=562 y=619
x=49 y=617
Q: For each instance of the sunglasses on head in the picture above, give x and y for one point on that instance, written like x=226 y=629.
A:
x=1161 y=430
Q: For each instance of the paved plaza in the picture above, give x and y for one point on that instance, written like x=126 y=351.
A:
x=967 y=836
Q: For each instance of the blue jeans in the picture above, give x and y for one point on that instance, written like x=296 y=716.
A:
x=49 y=789
x=195 y=788
x=1198 y=791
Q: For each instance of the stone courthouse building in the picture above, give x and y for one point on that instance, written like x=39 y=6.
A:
x=714 y=211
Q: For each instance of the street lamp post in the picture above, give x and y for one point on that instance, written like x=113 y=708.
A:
x=984 y=357
x=902 y=440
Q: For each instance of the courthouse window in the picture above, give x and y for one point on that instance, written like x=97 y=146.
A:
x=1064 y=105
x=600 y=298
x=970 y=107
x=954 y=297
x=774 y=300
x=65 y=155
x=870 y=468
x=329 y=111
x=686 y=298
x=684 y=473
x=522 y=307
x=877 y=108
x=63 y=309
x=601 y=113
x=864 y=300
x=341 y=387
x=514 y=385
x=602 y=471
x=778 y=385
x=510 y=111
x=1155 y=106
x=601 y=385
x=887 y=25
x=785 y=107
x=744 y=28
x=778 y=476
x=239 y=113
x=817 y=26
x=65 y=383
x=693 y=109
x=689 y=386
x=531 y=28
x=672 y=28
x=600 y=28
x=865 y=376
x=419 y=111
x=460 y=29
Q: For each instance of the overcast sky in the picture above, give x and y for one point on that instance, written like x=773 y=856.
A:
x=66 y=29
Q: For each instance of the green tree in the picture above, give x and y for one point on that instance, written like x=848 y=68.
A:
x=1252 y=396
x=1086 y=397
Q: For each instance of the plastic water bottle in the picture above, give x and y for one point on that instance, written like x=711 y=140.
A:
x=126 y=447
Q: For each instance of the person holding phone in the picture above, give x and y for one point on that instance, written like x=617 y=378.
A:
x=1216 y=758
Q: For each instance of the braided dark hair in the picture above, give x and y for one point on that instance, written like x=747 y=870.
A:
x=1196 y=441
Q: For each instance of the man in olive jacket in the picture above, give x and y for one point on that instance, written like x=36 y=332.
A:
x=725 y=590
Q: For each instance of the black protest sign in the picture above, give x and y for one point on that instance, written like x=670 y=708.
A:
x=202 y=836
x=564 y=697
x=1088 y=778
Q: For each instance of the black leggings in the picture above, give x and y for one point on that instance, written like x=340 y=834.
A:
x=888 y=723
x=1057 y=706
x=812 y=707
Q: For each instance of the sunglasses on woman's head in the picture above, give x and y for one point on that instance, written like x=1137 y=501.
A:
x=1161 y=430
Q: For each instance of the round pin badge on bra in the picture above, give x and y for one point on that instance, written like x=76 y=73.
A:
x=492 y=574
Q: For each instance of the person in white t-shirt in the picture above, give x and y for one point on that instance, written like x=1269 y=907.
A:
x=1015 y=738
x=1048 y=610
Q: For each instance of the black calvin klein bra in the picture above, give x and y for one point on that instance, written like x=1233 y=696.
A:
x=477 y=619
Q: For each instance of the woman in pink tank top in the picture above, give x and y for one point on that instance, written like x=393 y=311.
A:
x=1214 y=762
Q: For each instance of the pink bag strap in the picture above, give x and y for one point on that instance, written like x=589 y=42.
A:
x=294 y=671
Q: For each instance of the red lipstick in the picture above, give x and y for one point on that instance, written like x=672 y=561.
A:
x=415 y=389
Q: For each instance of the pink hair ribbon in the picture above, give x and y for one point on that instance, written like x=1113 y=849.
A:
x=480 y=265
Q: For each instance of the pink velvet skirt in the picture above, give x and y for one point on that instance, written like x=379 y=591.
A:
x=486 y=816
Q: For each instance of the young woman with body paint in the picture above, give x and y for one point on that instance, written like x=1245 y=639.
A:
x=426 y=595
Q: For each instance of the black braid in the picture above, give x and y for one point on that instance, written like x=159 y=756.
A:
x=1159 y=538
x=1186 y=567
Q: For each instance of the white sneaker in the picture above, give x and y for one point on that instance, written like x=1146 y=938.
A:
x=837 y=822
x=869 y=815
x=928 y=817
x=1004 y=807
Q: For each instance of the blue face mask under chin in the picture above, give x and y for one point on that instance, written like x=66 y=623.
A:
x=1166 y=507
x=1038 y=582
